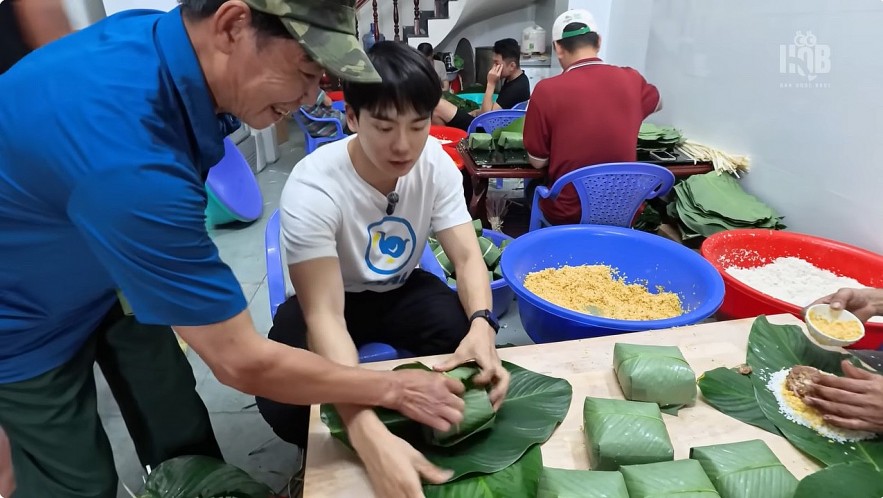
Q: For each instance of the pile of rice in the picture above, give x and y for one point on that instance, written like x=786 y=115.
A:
x=578 y=287
x=795 y=410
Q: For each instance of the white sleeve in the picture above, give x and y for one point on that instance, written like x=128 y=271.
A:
x=449 y=206
x=309 y=221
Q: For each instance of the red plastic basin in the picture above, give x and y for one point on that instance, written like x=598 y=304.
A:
x=750 y=248
x=448 y=133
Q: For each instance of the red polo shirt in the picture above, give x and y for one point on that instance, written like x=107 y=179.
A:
x=590 y=114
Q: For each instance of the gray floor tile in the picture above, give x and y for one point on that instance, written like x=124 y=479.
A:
x=260 y=310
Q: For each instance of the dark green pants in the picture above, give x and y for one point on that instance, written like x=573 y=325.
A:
x=59 y=448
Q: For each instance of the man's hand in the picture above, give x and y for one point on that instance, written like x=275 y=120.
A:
x=394 y=466
x=852 y=402
x=428 y=398
x=863 y=303
x=478 y=345
x=494 y=75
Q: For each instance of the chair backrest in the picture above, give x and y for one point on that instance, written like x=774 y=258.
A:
x=521 y=106
x=276 y=279
x=611 y=194
x=492 y=120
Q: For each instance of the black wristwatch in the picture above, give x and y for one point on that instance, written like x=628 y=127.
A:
x=489 y=316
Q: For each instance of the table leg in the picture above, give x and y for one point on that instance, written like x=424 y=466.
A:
x=478 y=203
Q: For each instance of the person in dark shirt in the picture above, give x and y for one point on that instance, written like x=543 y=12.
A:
x=515 y=89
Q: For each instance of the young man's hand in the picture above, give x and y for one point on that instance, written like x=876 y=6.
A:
x=479 y=345
x=494 y=75
x=852 y=402
x=394 y=467
x=863 y=303
x=428 y=398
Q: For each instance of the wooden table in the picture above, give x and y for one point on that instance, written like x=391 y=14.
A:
x=333 y=471
x=478 y=178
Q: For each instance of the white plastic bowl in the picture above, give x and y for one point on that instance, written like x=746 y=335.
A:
x=826 y=312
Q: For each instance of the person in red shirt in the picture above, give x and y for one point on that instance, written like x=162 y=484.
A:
x=589 y=114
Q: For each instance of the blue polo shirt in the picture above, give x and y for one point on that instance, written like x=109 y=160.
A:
x=106 y=137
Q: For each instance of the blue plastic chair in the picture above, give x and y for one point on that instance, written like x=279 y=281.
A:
x=368 y=353
x=521 y=106
x=609 y=194
x=492 y=120
x=303 y=118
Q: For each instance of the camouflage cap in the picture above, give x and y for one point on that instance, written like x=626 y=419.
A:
x=327 y=31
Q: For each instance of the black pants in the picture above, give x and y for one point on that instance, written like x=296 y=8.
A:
x=424 y=316
x=59 y=448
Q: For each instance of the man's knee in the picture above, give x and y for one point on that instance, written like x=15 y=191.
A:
x=289 y=326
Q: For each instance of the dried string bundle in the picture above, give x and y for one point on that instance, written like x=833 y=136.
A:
x=497 y=207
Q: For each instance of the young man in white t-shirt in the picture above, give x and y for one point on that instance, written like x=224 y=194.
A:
x=355 y=217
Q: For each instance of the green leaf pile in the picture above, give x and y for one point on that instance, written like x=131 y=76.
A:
x=490 y=252
x=205 y=477
x=654 y=137
x=711 y=203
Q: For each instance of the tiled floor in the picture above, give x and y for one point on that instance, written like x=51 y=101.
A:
x=245 y=439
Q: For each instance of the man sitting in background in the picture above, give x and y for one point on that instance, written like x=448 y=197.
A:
x=439 y=66
x=590 y=114
x=515 y=89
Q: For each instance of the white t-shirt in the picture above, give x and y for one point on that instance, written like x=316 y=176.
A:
x=328 y=210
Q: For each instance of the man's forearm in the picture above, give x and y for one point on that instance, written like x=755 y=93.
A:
x=328 y=336
x=242 y=359
x=487 y=103
x=877 y=300
x=473 y=286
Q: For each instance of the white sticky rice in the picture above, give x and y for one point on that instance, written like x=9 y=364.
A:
x=808 y=416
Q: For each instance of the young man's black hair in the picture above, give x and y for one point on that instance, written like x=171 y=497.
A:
x=264 y=24
x=574 y=43
x=425 y=49
x=509 y=50
x=409 y=82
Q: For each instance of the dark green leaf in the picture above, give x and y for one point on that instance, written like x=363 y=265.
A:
x=772 y=348
x=745 y=470
x=519 y=480
x=676 y=479
x=534 y=406
x=846 y=480
x=203 y=477
x=733 y=394
x=479 y=414
x=563 y=483
x=620 y=432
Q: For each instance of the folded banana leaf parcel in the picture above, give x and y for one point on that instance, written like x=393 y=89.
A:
x=620 y=432
x=565 y=483
x=655 y=374
x=745 y=470
x=676 y=479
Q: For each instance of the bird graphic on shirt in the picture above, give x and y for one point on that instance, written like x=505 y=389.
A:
x=392 y=246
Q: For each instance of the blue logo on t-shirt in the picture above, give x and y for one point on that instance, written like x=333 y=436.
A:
x=390 y=245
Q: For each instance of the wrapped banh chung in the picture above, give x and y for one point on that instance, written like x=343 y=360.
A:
x=510 y=140
x=481 y=141
x=676 y=479
x=565 y=483
x=745 y=470
x=620 y=432
x=656 y=374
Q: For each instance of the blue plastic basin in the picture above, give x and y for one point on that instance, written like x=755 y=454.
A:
x=639 y=256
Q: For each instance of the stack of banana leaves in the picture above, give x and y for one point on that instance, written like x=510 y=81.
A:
x=714 y=202
x=652 y=137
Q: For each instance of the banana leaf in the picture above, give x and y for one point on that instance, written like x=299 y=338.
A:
x=656 y=374
x=478 y=416
x=676 y=479
x=732 y=394
x=479 y=229
x=489 y=251
x=563 y=483
x=844 y=480
x=620 y=432
x=205 y=477
x=772 y=348
x=519 y=480
x=745 y=470
x=515 y=126
x=534 y=406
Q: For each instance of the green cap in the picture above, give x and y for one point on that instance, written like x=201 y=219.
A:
x=327 y=31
